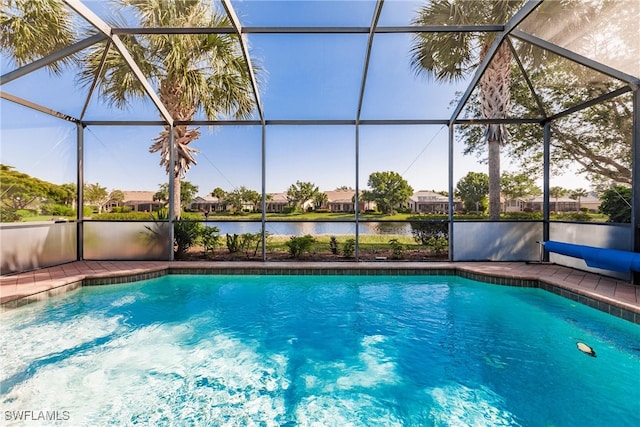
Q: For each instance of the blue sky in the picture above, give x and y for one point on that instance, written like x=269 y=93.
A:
x=307 y=76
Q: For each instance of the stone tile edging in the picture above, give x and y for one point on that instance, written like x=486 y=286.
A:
x=600 y=302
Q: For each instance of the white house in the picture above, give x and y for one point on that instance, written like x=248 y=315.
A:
x=141 y=201
x=431 y=202
x=343 y=201
x=206 y=203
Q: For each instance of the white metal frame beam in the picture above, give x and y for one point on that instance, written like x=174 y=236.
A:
x=50 y=59
x=106 y=29
x=582 y=60
x=231 y=13
x=37 y=107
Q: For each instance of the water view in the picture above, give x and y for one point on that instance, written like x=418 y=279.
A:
x=299 y=228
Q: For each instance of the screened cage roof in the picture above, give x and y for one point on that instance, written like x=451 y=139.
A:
x=349 y=62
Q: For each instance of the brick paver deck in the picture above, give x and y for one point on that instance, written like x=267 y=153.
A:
x=614 y=296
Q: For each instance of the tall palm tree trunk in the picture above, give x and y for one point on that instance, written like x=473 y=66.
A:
x=170 y=94
x=177 y=206
x=494 y=179
x=495 y=96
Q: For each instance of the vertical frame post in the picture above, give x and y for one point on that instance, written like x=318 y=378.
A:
x=264 y=191
x=172 y=174
x=635 y=180
x=357 y=195
x=80 y=191
x=451 y=203
x=545 y=186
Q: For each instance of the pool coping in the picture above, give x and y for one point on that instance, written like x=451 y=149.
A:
x=609 y=295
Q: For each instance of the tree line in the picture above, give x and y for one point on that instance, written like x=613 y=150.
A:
x=388 y=191
x=23 y=192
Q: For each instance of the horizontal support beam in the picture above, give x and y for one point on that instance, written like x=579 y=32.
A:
x=498 y=121
x=218 y=123
x=124 y=123
x=315 y=30
x=301 y=122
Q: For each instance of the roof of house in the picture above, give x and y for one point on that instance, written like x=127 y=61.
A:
x=139 y=196
x=278 y=198
x=591 y=198
x=206 y=199
x=340 y=196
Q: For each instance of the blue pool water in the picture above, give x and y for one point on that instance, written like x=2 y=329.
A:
x=317 y=351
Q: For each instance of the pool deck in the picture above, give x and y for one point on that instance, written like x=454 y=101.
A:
x=616 y=297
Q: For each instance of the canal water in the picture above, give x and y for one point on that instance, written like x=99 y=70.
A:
x=299 y=228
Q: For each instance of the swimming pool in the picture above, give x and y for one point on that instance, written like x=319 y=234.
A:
x=317 y=350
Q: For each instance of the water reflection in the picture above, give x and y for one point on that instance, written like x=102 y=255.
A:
x=299 y=228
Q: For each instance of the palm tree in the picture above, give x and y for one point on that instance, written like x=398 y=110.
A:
x=116 y=197
x=450 y=56
x=203 y=72
x=320 y=199
x=32 y=29
x=578 y=194
x=556 y=193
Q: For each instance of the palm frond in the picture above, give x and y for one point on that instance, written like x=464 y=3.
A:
x=452 y=56
x=32 y=29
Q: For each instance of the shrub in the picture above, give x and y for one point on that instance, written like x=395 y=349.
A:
x=23 y=213
x=210 y=238
x=249 y=242
x=575 y=216
x=333 y=245
x=125 y=216
x=348 y=248
x=438 y=245
x=244 y=243
x=290 y=209
x=233 y=244
x=299 y=245
x=397 y=249
x=57 y=210
x=9 y=215
x=121 y=209
x=423 y=231
x=185 y=234
x=526 y=215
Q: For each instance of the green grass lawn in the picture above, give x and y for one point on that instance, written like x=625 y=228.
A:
x=34 y=218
